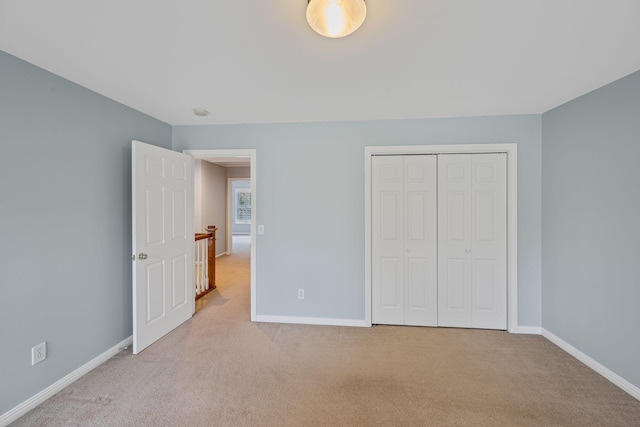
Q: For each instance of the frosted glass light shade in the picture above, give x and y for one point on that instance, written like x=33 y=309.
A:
x=336 y=18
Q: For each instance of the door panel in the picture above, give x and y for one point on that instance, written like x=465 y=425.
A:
x=390 y=209
x=456 y=291
x=387 y=239
x=162 y=190
x=485 y=215
x=180 y=281
x=404 y=239
x=420 y=241
x=489 y=243
x=472 y=240
x=416 y=216
x=390 y=280
x=454 y=240
x=485 y=279
x=417 y=273
x=154 y=215
x=456 y=215
x=155 y=291
x=457 y=172
x=179 y=212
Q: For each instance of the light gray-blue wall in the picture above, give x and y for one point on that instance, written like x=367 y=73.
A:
x=213 y=188
x=591 y=225
x=318 y=243
x=65 y=224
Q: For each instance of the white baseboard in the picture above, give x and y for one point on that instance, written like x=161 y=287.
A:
x=222 y=254
x=312 y=321
x=15 y=413
x=530 y=330
x=593 y=364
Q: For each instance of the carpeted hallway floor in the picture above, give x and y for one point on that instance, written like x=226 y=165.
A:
x=219 y=369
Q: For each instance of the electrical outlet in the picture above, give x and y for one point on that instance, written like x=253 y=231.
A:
x=260 y=229
x=39 y=353
x=300 y=293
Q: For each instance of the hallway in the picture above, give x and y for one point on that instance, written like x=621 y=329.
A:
x=233 y=278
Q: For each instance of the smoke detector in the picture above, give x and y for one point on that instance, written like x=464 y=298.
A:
x=200 y=112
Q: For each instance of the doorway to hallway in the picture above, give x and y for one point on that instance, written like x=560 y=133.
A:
x=233 y=279
x=229 y=158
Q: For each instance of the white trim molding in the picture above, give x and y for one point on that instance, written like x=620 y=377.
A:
x=512 y=211
x=251 y=154
x=529 y=330
x=593 y=364
x=313 y=321
x=15 y=413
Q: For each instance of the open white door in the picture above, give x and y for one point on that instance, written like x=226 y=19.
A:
x=162 y=234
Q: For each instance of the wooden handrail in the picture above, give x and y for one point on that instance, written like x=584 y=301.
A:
x=202 y=236
x=211 y=256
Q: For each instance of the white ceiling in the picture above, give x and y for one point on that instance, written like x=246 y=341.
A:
x=249 y=61
x=229 y=162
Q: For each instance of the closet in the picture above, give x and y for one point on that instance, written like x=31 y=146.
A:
x=439 y=247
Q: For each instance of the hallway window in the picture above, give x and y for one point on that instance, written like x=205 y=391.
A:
x=243 y=206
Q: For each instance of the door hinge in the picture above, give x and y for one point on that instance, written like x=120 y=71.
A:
x=133 y=257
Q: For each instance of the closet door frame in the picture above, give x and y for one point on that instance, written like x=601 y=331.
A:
x=511 y=151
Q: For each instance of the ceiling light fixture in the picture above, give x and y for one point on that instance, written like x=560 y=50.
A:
x=335 y=18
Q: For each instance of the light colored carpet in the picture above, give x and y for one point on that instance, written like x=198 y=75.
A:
x=219 y=369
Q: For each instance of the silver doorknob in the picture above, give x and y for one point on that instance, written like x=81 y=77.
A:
x=142 y=256
x=468 y=251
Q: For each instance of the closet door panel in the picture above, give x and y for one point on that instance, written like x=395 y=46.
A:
x=456 y=227
x=457 y=285
x=484 y=280
x=387 y=233
x=417 y=273
x=454 y=240
x=390 y=271
x=439 y=240
x=472 y=240
x=420 y=240
x=489 y=255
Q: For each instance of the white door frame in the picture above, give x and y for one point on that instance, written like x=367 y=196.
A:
x=251 y=154
x=512 y=212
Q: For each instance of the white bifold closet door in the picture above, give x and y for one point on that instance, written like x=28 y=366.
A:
x=439 y=247
x=404 y=240
x=472 y=240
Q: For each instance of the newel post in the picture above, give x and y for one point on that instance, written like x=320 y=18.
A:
x=212 y=256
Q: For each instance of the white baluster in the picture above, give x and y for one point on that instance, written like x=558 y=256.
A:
x=197 y=268
x=200 y=284
x=205 y=263
x=202 y=288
